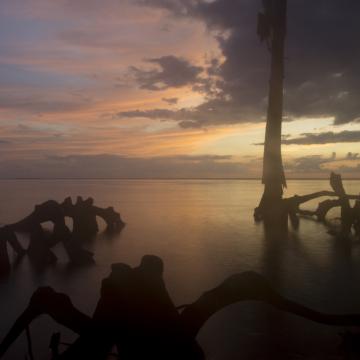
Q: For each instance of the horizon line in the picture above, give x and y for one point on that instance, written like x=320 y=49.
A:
x=161 y=178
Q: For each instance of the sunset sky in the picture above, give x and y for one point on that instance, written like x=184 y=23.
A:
x=173 y=88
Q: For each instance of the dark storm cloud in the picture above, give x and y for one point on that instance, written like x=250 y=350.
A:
x=328 y=137
x=322 y=76
x=112 y=166
x=212 y=112
x=174 y=72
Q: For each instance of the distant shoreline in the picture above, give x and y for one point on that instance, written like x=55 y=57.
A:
x=171 y=179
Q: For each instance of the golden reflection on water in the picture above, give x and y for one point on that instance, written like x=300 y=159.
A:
x=204 y=231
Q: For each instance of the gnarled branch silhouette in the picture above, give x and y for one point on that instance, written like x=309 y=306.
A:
x=136 y=313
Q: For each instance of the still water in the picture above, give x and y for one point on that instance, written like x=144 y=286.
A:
x=204 y=232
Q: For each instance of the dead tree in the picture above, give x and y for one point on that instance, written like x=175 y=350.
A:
x=272 y=28
x=136 y=313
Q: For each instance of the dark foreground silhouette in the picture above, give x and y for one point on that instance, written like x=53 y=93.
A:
x=85 y=227
x=136 y=314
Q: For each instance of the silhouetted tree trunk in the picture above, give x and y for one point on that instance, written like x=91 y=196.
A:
x=272 y=27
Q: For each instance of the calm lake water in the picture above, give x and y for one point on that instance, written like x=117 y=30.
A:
x=204 y=232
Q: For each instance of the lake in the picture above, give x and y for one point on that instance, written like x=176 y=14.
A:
x=204 y=231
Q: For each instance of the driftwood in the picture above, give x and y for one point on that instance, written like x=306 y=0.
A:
x=80 y=212
x=350 y=217
x=292 y=205
x=83 y=214
x=136 y=313
x=321 y=211
x=7 y=236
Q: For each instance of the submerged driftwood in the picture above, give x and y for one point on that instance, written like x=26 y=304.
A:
x=83 y=214
x=350 y=216
x=136 y=314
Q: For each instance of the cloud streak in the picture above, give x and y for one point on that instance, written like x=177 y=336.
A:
x=108 y=166
x=328 y=137
x=113 y=166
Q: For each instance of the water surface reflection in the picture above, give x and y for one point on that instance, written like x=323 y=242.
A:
x=204 y=231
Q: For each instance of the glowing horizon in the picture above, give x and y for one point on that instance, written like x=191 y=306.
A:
x=148 y=82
